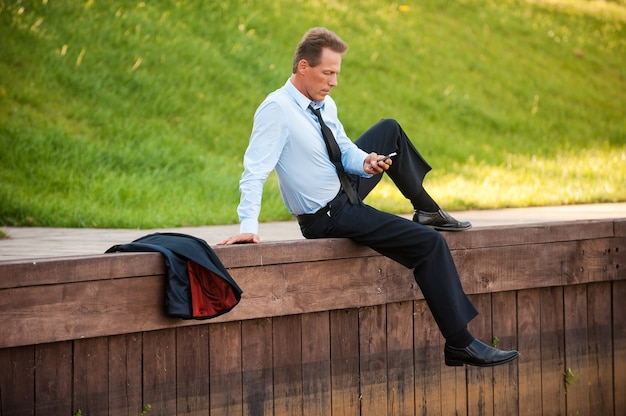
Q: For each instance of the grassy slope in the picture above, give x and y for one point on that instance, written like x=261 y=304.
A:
x=125 y=114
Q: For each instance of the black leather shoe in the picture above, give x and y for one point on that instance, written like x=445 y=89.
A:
x=478 y=354
x=441 y=221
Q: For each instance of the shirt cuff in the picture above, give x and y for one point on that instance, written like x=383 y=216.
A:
x=249 y=226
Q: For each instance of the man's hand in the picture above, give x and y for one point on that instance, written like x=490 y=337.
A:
x=241 y=239
x=375 y=163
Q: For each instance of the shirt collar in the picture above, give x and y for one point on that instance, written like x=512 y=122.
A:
x=300 y=98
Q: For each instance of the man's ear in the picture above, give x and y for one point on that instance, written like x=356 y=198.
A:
x=303 y=65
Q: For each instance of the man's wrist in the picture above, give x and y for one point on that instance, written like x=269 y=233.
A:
x=249 y=226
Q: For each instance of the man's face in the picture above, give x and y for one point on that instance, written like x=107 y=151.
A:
x=319 y=80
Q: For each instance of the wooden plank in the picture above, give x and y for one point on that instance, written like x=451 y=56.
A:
x=529 y=341
x=430 y=389
x=400 y=363
x=24 y=273
x=125 y=386
x=119 y=265
x=256 y=350
x=288 y=252
x=344 y=366
x=599 y=261
x=600 y=349
x=514 y=235
x=576 y=358
x=619 y=259
x=619 y=345
x=453 y=391
x=53 y=382
x=497 y=269
x=144 y=264
x=91 y=376
x=17 y=381
x=225 y=376
x=480 y=380
x=287 y=358
x=87 y=309
x=316 y=379
x=552 y=351
x=192 y=370
x=373 y=360
x=159 y=371
x=321 y=286
x=315 y=250
x=505 y=377
x=47 y=271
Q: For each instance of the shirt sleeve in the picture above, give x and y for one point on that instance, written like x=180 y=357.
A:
x=267 y=140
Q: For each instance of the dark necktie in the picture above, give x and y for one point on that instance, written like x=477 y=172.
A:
x=335 y=156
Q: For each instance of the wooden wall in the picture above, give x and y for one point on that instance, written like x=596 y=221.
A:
x=324 y=327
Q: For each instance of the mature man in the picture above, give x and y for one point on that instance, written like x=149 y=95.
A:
x=324 y=176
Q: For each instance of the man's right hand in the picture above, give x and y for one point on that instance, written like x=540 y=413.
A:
x=241 y=239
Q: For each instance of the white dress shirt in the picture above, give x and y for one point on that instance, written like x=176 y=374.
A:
x=286 y=137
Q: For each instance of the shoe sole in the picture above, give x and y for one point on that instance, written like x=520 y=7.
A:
x=440 y=228
x=455 y=363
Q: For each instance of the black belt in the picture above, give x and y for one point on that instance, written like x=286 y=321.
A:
x=337 y=202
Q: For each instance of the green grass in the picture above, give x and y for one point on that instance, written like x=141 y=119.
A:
x=133 y=114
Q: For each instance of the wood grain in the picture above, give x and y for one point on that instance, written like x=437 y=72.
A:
x=324 y=328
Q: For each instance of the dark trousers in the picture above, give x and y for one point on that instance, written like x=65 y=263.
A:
x=413 y=245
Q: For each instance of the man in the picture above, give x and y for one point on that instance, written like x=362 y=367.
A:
x=294 y=132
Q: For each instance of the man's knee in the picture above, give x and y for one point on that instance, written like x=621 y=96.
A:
x=389 y=124
x=381 y=138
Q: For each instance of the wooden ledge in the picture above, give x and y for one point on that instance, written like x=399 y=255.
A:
x=17 y=273
x=47 y=271
x=68 y=298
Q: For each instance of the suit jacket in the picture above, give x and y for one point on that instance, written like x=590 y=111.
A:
x=198 y=284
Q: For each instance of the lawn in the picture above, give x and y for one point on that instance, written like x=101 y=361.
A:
x=136 y=114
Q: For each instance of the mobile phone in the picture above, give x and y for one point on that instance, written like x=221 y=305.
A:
x=389 y=156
